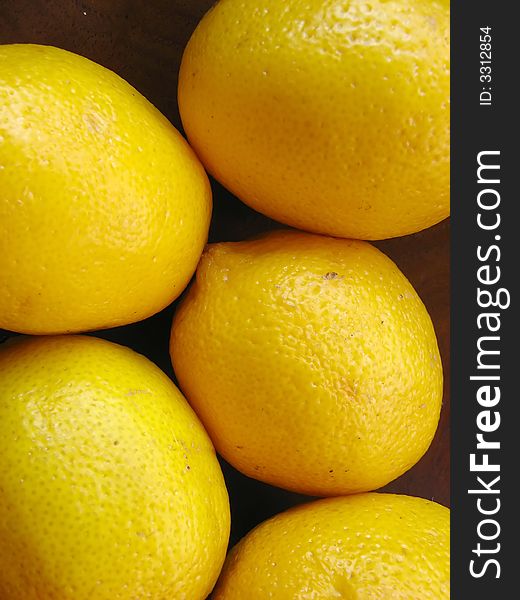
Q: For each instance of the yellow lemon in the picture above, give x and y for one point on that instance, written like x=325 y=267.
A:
x=109 y=485
x=104 y=208
x=311 y=361
x=329 y=115
x=362 y=547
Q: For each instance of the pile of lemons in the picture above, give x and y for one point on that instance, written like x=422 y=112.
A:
x=308 y=361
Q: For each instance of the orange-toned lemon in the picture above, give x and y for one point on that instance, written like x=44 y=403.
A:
x=329 y=115
x=311 y=361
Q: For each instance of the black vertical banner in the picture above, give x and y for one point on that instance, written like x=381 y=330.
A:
x=485 y=267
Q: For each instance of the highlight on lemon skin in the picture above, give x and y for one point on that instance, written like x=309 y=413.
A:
x=366 y=546
x=326 y=115
x=104 y=207
x=311 y=361
x=109 y=485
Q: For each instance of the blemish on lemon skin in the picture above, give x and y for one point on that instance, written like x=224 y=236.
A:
x=143 y=535
x=94 y=122
x=135 y=392
x=432 y=22
x=331 y=275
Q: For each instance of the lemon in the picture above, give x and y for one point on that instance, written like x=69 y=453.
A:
x=328 y=115
x=311 y=361
x=104 y=208
x=109 y=485
x=362 y=547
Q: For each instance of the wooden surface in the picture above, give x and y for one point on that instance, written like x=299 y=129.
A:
x=142 y=41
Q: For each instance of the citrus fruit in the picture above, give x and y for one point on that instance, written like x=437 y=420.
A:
x=104 y=208
x=109 y=485
x=311 y=361
x=361 y=547
x=328 y=115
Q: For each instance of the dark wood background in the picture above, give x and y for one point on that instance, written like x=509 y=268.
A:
x=142 y=41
